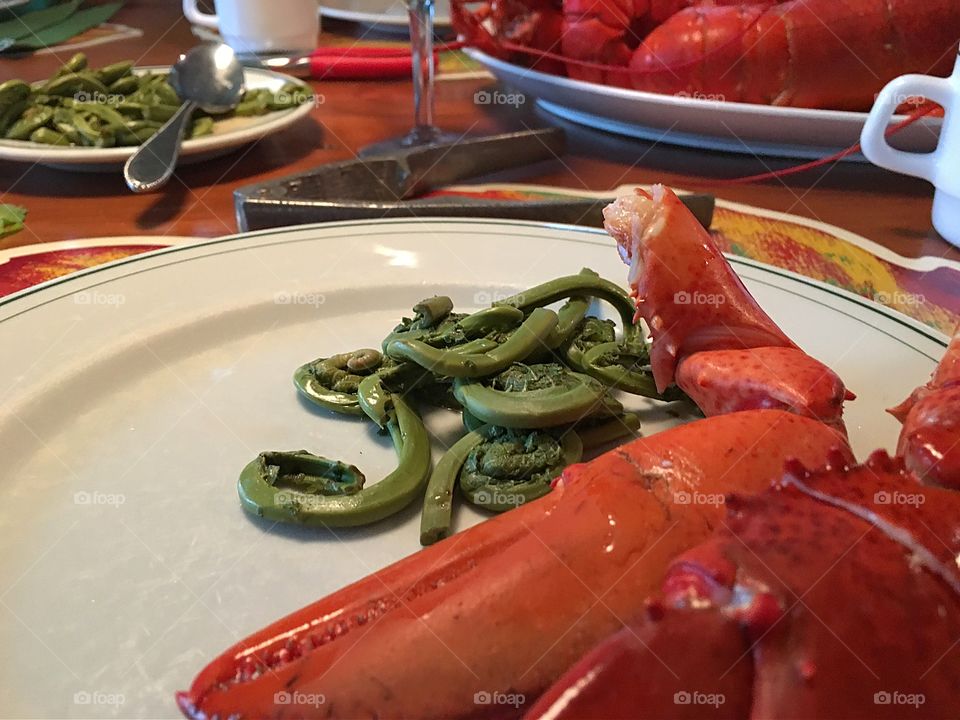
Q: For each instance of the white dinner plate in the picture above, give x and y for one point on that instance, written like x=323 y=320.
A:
x=709 y=124
x=386 y=15
x=132 y=394
x=227 y=135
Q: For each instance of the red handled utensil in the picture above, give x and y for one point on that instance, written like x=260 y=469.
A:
x=340 y=63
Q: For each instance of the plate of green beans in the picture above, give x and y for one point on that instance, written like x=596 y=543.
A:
x=93 y=118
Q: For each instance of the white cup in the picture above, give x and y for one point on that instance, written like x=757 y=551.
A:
x=941 y=167
x=261 y=26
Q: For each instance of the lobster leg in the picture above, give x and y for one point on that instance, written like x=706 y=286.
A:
x=708 y=333
x=836 y=595
x=930 y=438
x=508 y=605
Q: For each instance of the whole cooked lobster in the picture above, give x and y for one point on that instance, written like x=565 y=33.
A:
x=804 y=53
x=770 y=596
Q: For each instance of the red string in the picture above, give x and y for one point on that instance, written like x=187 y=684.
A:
x=913 y=117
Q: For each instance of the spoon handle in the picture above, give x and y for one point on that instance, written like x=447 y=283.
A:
x=152 y=165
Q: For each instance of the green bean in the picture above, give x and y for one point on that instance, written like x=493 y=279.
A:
x=289 y=96
x=74 y=65
x=166 y=94
x=202 y=126
x=46 y=136
x=108 y=138
x=131 y=109
x=13 y=91
x=75 y=84
x=89 y=135
x=251 y=107
x=112 y=119
x=110 y=74
x=69 y=131
x=527 y=338
x=534 y=396
x=11 y=114
x=159 y=113
x=23 y=127
x=48 y=100
x=125 y=85
x=152 y=79
x=63 y=115
x=438 y=499
x=394 y=492
x=135 y=125
x=135 y=136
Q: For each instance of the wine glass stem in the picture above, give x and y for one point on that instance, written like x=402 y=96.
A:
x=421 y=37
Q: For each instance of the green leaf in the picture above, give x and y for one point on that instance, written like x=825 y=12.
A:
x=74 y=25
x=11 y=219
x=29 y=24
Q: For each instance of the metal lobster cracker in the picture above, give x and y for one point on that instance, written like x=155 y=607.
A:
x=389 y=186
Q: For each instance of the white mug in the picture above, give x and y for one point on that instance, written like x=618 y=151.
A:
x=941 y=167
x=261 y=26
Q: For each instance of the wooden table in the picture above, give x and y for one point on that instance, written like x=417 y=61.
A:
x=889 y=209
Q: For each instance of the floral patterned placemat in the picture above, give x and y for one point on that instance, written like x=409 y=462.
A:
x=926 y=289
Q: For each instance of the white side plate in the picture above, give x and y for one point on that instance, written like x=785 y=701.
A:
x=708 y=124
x=227 y=135
x=386 y=15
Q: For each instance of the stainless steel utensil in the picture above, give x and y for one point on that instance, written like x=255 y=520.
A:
x=388 y=186
x=209 y=76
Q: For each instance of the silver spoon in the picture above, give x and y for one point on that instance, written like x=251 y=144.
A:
x=209 y=76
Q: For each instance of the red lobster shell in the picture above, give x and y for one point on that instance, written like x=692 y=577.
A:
x=834 y=594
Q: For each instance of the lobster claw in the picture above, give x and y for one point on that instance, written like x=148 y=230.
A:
x=930 y=438
x=708 y=333
x=795 y=605
x=634 y=673
x=508 y=605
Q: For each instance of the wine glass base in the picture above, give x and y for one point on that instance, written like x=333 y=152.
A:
x=418 y=137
